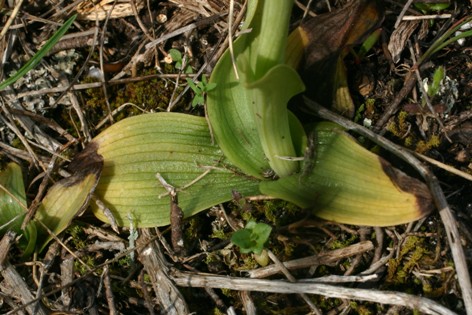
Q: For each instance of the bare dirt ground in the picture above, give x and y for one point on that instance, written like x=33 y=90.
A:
x=105 y=69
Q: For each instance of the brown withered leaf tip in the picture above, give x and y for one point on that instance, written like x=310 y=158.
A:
x=406 y=183
x=329 y=36
x=85 y=163
x=331 y=32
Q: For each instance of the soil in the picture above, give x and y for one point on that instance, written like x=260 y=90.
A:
x=106 y=71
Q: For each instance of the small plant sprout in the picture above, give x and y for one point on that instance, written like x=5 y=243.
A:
x=433 y=88
x=200 y=89
x=252 y=238
x=180 y=61
x=443 y=88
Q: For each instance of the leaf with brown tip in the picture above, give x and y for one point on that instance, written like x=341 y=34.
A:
x=69 y=197
x=352 y=185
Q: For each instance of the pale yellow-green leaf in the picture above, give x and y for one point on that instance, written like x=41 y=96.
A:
x=177 y=146
x=69 y=197
x=351 y=185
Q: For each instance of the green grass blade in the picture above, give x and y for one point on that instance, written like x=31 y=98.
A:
x=33 y=62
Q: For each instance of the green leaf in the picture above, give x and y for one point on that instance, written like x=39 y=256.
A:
x=176 y=56
x=243 y=239
x=177 y=146
x=33 y=62
x=13 y=207
x=68 y=197
x=351 y=185
x=210 y=86
x=252 y=238
x=438 y=76
x=232 y=121
x=231 y=104
x=270 y=96
x=428 y=7
x=193 y=86
x=12 y=198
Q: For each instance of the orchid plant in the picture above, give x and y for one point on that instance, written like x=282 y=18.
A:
x=259 y=148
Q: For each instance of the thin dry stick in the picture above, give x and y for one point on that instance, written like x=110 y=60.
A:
x=423 y=90
x=426 y=17
x=292 y=279
x=11 y=125
x=109 y=291
x=182 y=30
x=92 y=85
x=154 y=263
x=102 y=78
x=438 y=195
x=408 y=85
x=11 y=18
x=325 y=258
x=427 y=306
x=140 y=23
x=445 y=167
x=402 y=13
x=81 y=278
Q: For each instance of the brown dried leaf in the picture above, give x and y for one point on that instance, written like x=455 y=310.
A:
x=399 y=38
x=329 y=36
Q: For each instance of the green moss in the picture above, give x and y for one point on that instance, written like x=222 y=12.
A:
x=219 y=234
x=193 y=228
x=424 y=146
x=216 y=311
x=343 y=242
x=90 y=263
x=78 y=237
x=399 y=127
x=248 y=216
x=279 y=212
x=150 y=95
x=411 y=255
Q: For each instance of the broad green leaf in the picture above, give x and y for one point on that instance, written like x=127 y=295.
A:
x=232 y=121
x=243 y=239
x=350 y=184
x=68 y=197
x=12 y=198
x=13 y=207
x=33 y=62
x=233 y=107
x=177 y=146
